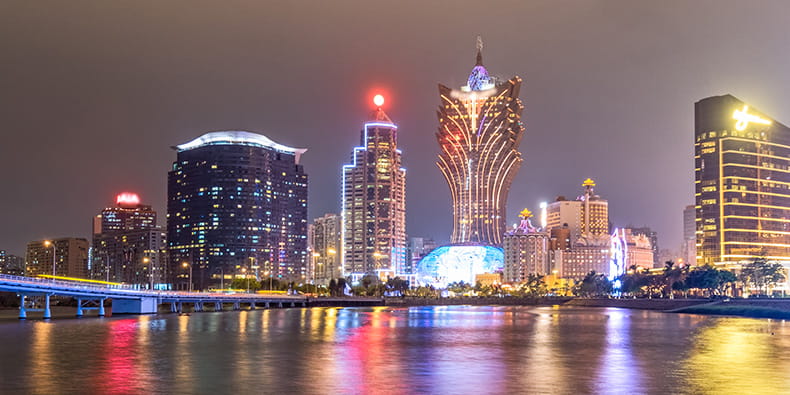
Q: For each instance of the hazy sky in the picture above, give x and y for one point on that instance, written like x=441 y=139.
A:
x=93 y=94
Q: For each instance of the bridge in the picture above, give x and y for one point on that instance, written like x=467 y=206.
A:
x=34 y=295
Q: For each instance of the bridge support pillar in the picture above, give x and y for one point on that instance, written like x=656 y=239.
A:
x=173 y=308
x=280 y=304
x=236 y=306
x=79 y=307
x=293 y=304
x=101 y=307
x=252 y=305
x=180 y=307
x=47 y=311
x=217 y=306
x=144 y=305
x=267 y=305
x=22 y=311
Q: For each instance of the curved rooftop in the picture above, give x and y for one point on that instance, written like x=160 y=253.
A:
x=235 y=137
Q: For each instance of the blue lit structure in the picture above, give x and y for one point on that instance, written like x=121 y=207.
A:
x=619 y=253
x=454 y=263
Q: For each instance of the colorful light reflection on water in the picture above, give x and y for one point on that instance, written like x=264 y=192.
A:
x=459 y=349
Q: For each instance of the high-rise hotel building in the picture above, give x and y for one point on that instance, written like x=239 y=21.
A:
x=128 y=247
x=237 y=202
x=374 y=202
x=585 y=217
x=479 y=133
x=742 y=183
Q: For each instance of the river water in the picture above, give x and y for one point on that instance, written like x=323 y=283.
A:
x=438 y=350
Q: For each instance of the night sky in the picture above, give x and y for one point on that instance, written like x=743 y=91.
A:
x=94 y=94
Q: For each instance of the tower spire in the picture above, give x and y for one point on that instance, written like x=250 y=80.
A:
x=479 y=51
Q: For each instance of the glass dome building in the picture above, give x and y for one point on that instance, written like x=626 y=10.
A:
x=455 y=263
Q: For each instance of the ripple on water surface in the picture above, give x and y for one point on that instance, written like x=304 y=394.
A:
x=442 y=349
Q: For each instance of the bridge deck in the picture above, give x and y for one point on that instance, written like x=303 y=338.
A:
x=33 y=286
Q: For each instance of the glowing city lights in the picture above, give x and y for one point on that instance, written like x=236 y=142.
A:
x=456 y=263
x=127 y=199
x=744 y=118
x=378 y=100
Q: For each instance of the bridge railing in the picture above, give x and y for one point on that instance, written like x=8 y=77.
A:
x=64 y=283
x=128 y=289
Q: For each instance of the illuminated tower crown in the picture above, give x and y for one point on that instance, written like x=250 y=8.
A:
x=479 y=133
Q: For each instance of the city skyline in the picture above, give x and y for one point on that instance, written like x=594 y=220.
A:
x=101 y=122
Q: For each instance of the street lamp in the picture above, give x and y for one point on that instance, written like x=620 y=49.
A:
x=269 y=273
x=330 y=252
x=107 y=265
x=244 y=270
x=316 y=262
x=189 y=265
x=254 y=265
x=221 y=277
x=147 y=263
x=47 y=244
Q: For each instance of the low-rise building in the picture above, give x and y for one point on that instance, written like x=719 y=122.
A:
x=70 y=257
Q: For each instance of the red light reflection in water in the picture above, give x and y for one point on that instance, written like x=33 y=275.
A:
x=366 y=359
x=119 y=373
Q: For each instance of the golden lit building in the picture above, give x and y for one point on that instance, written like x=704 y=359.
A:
x=588 y=215
x=374 y=202
x=742 y=183
x=479 y=133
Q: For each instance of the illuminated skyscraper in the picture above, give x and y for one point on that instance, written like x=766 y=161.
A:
x=374 y=202
x=480 y=129
x=237 y=203
x=127 y=246
x=742 y=183
x=127 y=214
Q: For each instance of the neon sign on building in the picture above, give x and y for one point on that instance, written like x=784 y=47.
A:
x=127 y=199
x=744 y=118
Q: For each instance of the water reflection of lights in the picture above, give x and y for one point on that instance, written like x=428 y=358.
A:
x=42 y=367
x=183 y=349
x=618 y=372
x=737 y=355
x=547 y=375
x=125 y=369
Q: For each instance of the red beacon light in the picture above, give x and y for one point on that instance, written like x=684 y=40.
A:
x=127 y=199
x=378 y=100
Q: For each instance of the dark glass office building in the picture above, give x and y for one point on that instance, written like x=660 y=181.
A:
x=742 y=183
x=237 y=206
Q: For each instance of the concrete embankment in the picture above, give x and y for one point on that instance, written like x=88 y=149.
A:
x=642 y=304
x=344 y=302
x=506 y=301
